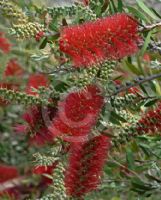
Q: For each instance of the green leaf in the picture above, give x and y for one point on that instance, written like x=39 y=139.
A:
x=153 y=86
x=150 y=102
x=43 y=44
x=156 y=13
x=146 y=149
x=115 y=118
x=134 y=146
x=113 y=7
x=130 y=159
x=146 y=43
x=143 y=89
x=146 y=9
x=132 y=68
x=138 y=14
x=120 y=6
x=139 y=184
x=151 y=178
x=158 y=88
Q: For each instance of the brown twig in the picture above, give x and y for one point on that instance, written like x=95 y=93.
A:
x=139 y=82
x=150 y=27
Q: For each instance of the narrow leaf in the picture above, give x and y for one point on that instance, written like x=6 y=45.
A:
x=146 y=9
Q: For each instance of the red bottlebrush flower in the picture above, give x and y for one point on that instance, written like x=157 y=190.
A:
x=86 y=161
x=8 y=173
x=150 y=122
x=109 y=38
x=39 y=35
x=5 y=45
x=37 y=121
x=77 y=114
x=42 y=170
x=36 y=81
x=13 y=69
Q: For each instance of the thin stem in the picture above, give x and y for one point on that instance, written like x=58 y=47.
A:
x=60 y=70
x=124 y=167
x=139 y=82
x=150 y=27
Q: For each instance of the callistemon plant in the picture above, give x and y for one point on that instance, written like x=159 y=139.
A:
x=80 y=106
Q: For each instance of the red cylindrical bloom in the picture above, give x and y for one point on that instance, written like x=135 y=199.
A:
x=77 y=114
x=86 y=161
x=112 y=37
x=13 y=68
x=44 y=169
x=150 y=123
x=36 y=81
x=37 y=120
x=5 y=45
x=8 y=173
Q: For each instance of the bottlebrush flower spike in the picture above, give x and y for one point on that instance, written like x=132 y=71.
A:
x=108 y=38
x=36 y=81
x=150 y=122
x=13 y=69
x=5 y=46
x=77 y=114
x=42 y=170
x=8 y=173
x=36 y=127
x=86 y=161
